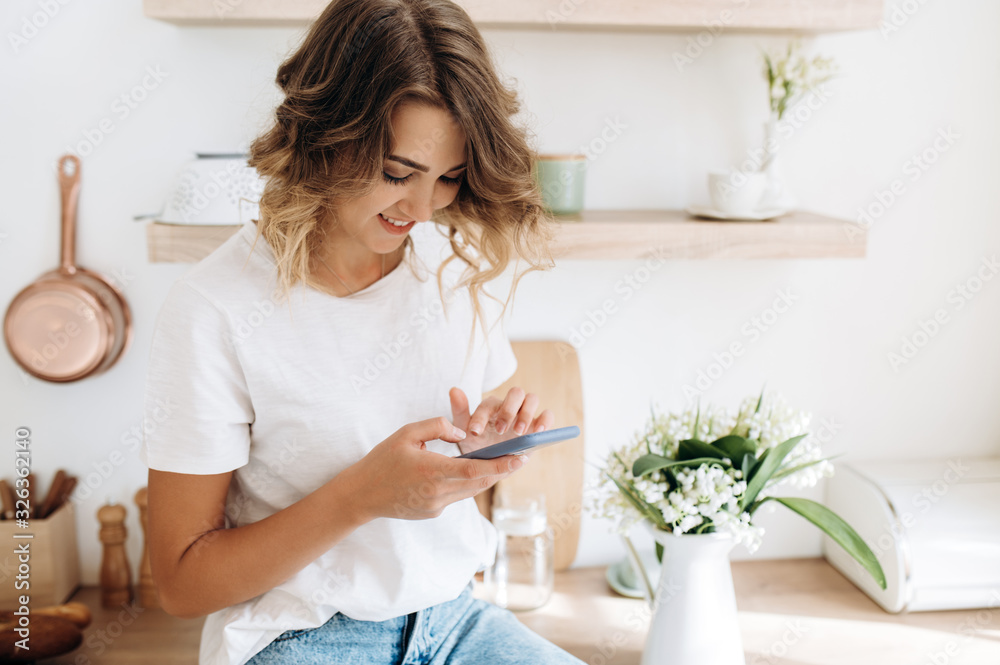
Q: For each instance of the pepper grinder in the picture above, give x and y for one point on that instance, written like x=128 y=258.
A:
x=116 y=576
x=147 y=590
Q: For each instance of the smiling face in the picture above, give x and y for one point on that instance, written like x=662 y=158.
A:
x=422 y=174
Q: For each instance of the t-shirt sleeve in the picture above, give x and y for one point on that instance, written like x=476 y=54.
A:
x=501 y=363
x=196 y=410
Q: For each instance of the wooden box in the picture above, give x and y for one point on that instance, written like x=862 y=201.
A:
x=53 y=560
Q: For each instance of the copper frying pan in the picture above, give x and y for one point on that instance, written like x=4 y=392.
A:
x=70 y=323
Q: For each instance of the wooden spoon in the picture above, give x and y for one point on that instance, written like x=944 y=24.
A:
x=55 y=491
x=7 y=497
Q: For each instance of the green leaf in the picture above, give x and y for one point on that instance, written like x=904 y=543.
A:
x=760 y=400
x=659 y=552
x=798 y=467
x=839 y=530
x=620 y=461
x=765 y=468
x=692 y=448
x=757 y=465
x=672 y=483
x=649 y=463
x=640 y=569
x=735 y=447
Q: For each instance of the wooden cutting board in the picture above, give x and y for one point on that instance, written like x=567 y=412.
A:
x=550 y=369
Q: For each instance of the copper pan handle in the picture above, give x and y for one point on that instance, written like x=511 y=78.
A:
x=69 y=189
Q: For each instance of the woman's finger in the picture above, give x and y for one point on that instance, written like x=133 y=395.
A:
x=459 y=407
x=434 y=428
x=483 y=415
x=470 y=477
x=545 y=420
x=526 y=414
x=508 y=410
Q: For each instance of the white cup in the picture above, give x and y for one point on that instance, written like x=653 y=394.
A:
x=736 y=192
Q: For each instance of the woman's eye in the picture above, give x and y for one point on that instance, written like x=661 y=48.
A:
x=394 y=181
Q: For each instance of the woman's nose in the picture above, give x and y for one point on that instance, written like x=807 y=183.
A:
x=417 y=210
x=420 y=204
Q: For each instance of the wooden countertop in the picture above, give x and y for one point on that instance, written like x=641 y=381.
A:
x=792 y=612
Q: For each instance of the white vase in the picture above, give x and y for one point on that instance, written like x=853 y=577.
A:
x=694 y=618
x=776 y=193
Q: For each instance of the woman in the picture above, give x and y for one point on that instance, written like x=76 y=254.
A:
x=303 y=492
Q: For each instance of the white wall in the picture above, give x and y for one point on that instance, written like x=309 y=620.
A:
x=827 y=354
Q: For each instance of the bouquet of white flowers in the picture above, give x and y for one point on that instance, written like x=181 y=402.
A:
x=704 y=471
x=790 y=75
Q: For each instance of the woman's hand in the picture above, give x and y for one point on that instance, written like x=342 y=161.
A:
x=497 y=420
x=200 y=566
x=400 y=478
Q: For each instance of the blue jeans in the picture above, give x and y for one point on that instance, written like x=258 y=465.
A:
x=459 y=632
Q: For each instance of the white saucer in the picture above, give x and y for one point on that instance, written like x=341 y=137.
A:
x=615 y=576
x=758 y=215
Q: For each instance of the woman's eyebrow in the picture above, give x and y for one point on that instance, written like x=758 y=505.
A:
x=420 y=167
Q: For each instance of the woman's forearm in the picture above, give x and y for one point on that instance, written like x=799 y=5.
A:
x=224 y=567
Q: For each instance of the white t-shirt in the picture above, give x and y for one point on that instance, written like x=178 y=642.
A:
x=288 y=395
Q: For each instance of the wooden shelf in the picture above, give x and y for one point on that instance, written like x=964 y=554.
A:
x=184 y=243
x=673 y=234
x=759 y=15
x=614 y=234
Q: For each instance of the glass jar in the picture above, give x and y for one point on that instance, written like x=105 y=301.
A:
x=522 y=576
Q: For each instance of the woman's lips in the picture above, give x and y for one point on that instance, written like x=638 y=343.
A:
x=392 y=228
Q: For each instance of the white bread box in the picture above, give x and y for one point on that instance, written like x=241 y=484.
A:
x=933 y=524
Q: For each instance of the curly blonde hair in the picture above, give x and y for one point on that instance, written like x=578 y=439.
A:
x=332 y=133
